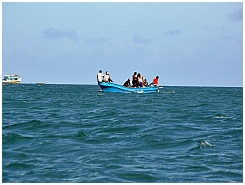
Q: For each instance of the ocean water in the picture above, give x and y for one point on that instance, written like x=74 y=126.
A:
x=74 y=133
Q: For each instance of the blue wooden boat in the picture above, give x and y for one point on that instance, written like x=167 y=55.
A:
x=112 y=87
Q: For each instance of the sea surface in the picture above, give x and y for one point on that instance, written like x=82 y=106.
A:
x=74 y=133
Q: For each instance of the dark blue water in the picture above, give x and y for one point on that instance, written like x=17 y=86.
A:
x=73 y=133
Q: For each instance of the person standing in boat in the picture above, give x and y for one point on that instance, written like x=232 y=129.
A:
x=135 y=80
x=100 y=76
x=107 y=77
x=140 y=80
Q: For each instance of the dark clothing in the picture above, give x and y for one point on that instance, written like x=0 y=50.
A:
x=127 y=83
x=135 y=83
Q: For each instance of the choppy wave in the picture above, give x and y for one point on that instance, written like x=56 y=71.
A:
x=73 y=133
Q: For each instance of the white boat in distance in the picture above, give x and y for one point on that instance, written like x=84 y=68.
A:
x=11 y=79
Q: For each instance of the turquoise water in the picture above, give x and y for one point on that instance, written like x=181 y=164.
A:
x=73 y=133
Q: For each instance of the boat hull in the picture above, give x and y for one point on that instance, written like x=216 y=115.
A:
x=112 y=87
x=11 y=82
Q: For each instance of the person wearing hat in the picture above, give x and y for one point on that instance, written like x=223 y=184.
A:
x=100 y=76
x=107 y=77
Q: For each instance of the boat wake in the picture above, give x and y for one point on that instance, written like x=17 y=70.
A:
x=169 y=92
x=139 y=92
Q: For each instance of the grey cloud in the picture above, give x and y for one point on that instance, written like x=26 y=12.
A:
x=138 y=39
x=174 y=32
x=52 y=33
x=236 y=15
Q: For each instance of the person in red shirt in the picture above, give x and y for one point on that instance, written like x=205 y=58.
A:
x=155 y=81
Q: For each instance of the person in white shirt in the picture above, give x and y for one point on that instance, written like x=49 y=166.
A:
x=100 y=76
x=140 y=79
x=107 y=77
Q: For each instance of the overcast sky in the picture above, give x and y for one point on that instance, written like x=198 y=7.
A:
x=187 y=44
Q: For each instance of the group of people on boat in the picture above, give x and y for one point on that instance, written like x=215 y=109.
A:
x=137 y=80
x=103 y=78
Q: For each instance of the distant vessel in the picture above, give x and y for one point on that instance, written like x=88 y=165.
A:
x=11 y=79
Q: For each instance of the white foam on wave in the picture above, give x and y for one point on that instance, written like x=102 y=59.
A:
x=204 y=144
x=221 y=117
